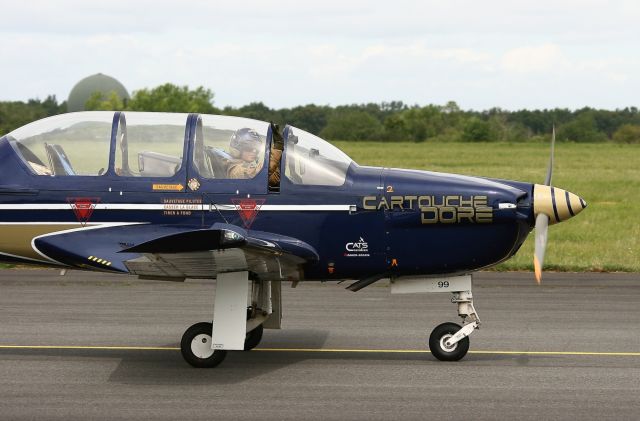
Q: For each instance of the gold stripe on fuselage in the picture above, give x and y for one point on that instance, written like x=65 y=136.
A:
x=16 y=239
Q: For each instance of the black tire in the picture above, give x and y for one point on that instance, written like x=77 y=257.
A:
x=253 y=338
x=199 y=356
x=436 y=343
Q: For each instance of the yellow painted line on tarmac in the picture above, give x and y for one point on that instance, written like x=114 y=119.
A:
x=419 y=351
x=326 y=350
x=329 y=350
x=573 y=353
x=96 y=347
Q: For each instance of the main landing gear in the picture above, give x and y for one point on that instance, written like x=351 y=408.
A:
x=448 y=341
x=196 y=346
x=253 y=338
x=204 y=345
x=197 y=341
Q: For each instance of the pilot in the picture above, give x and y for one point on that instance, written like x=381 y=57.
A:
x=245 y=145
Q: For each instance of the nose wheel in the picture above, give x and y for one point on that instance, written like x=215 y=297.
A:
x=440 y=343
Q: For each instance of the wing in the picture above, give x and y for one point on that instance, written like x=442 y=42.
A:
x=177 y=252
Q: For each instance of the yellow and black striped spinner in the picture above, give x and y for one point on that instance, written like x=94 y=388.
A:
x=559 y=205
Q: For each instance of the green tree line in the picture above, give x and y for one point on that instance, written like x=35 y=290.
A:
x=386 y=121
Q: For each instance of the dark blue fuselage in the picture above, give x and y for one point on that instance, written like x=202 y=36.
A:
x=380 y=221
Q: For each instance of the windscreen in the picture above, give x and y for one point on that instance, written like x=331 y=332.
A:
x=311 y=160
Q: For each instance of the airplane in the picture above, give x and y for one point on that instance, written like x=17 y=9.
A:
x=158 y=195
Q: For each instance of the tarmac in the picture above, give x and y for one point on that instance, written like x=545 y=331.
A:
x=95 y=346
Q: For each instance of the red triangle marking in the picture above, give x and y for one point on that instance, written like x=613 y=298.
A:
x=83 y=207
x=248 y=209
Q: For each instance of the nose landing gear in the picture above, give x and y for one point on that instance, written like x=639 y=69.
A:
x=448 y=341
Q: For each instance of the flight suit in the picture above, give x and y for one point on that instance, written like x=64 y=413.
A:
x=239 y=168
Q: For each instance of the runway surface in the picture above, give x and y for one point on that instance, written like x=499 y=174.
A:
x=91 y=346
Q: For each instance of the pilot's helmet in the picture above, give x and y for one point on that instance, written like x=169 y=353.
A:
x=243 y=140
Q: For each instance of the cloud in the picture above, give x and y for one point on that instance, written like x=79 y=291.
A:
x=535 y=59
x=285 y=53
x=618 y=78
x=419 y=50
x=329 y=60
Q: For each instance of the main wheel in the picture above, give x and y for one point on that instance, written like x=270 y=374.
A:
x=437 y=340
x=196 y=347
x=253 y=338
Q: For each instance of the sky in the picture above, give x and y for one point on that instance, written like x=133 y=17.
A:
x=481 y=54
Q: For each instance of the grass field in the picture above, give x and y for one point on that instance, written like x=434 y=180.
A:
x=604 y=237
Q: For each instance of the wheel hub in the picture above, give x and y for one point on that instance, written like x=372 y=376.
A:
x=443 y=343
x=201 y=346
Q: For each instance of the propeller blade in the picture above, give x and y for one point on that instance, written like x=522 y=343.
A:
x=542 y=220
x=542 y=226
x=547 y=181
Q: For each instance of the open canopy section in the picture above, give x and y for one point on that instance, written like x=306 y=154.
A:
x=66 y=144
x=311 y=160
x=80 y=144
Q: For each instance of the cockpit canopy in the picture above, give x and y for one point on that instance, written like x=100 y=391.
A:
x=313 y=161
x=156 y=145
x=82 y=138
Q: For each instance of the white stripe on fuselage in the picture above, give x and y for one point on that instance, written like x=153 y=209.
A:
x=159 y=207
x=88 y=225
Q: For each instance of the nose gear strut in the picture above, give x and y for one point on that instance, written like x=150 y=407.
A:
x=465 y=310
